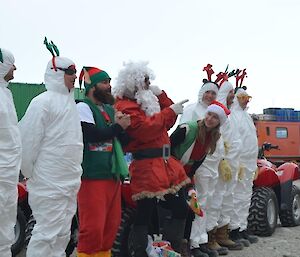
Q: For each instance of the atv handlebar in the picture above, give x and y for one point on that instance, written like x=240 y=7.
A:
x=266 y=147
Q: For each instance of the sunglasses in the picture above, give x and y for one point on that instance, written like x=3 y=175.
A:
x=68 y=71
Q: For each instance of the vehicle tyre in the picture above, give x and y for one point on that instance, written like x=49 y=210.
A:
x=29 y=227
x=74 y=236
x=291 y=216
x=120 y=246
x=263 y=212
x=19 y=233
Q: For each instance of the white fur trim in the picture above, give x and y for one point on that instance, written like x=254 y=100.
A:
x=219 y=111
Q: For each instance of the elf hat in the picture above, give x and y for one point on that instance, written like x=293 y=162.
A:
x=219 y=109
x=92 y=76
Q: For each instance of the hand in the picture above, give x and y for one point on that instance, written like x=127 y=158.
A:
x=178 y=107
x=155 y=90
x=123 y=120
x=225 y=170
x=241 y=173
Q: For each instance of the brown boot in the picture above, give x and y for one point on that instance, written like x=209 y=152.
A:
x=213 y=245
x=222 y=237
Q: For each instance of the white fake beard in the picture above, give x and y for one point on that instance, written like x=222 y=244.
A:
x=148 y=101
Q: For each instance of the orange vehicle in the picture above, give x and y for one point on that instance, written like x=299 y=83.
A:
x=282 y=132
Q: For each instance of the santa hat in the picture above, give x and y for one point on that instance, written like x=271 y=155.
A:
x=92 y=76
x=219 y=109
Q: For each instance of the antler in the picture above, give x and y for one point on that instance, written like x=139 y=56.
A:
x=209 y=71
x=240 y=75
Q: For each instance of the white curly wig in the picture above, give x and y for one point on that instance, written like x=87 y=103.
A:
x=132 y=77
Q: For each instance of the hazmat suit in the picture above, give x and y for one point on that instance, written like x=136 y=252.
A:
x=10 y=157
x=222 y=204
x=247 y=161
x=52 y=156
x=206 y=175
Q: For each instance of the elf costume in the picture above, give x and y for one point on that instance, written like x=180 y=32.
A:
x=99 y=198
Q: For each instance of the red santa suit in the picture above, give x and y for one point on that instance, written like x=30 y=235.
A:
x=152 y=177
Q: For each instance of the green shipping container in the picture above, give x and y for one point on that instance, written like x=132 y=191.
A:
x=23 y=94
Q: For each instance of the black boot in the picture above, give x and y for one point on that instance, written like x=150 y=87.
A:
x=247 y=235
x=173 y=232
x=211 y=253
x=235 y=236
x=138 y=241
x=196 y=252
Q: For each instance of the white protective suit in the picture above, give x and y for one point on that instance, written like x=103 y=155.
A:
x=248 y=159
x=222 y=208
x=52 y=156
x=10 y=159
x=206 y=175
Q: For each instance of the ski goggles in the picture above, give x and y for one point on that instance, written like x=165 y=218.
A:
x=71 y=70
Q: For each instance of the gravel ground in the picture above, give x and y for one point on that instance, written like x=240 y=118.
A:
x=285 y=242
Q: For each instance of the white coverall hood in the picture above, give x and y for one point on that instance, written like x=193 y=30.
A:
x=223 y=92
x=10 y=158
x=8 y=62
x=196 y=111
x=54 y=80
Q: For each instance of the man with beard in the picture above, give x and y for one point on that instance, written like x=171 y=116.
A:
x=99 y=198
x=155 y=175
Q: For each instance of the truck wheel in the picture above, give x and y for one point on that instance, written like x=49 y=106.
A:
x=19 y=233
x=291 y=216
x=120 y=246
x=263 y=212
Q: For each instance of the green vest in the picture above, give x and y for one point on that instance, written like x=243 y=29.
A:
x=97 y=157
x=188 y=141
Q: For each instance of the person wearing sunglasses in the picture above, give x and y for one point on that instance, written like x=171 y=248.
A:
x=10 y=154
x=248 y=151
x=52 y=156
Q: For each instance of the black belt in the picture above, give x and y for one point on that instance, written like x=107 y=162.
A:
x=149 y=153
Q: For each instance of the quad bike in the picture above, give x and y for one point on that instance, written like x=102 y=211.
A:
x=274 y=194
x=23 y=214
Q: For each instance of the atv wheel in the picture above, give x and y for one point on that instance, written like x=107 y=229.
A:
x=263 y=212
x=120 y=246
x=19 y=233
x=291 y=216
x=29 y=227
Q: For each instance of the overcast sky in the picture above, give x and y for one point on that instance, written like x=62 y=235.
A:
x=177 y=37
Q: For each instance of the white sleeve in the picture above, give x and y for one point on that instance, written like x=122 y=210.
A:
x=85 y=113
x=32 y=128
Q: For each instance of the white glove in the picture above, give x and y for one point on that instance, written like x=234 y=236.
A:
x=155 y=90
x=178 y=107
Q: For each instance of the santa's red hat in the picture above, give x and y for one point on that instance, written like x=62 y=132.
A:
x=221 y=110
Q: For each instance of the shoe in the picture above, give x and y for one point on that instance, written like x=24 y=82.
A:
x=196 y=252
x=211 y=253
x=174 y=233
x=185 y=248
x=138 y=241
x=222 y=238
x=235 y=236
x=213 y=244
x=247 y=235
